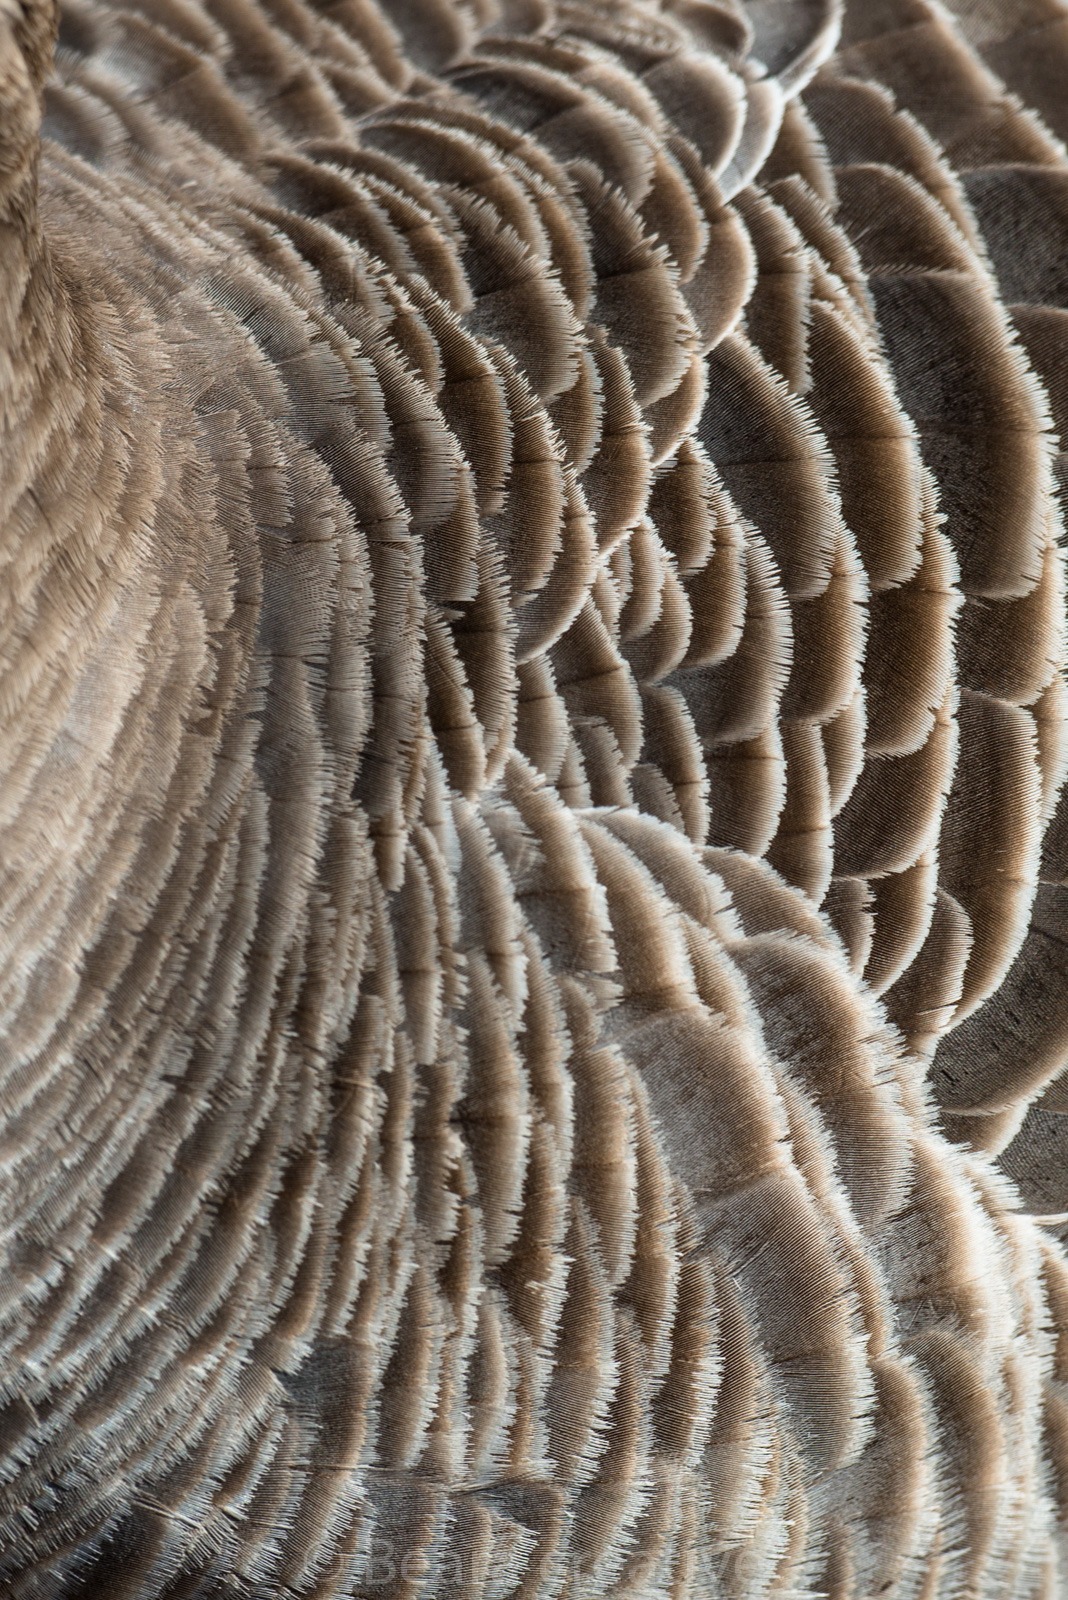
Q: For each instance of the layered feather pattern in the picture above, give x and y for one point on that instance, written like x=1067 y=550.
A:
x=533 y=825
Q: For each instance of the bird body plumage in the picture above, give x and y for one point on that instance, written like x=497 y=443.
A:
x=533 y=823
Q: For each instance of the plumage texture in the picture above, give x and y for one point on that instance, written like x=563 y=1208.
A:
x=533 y=834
